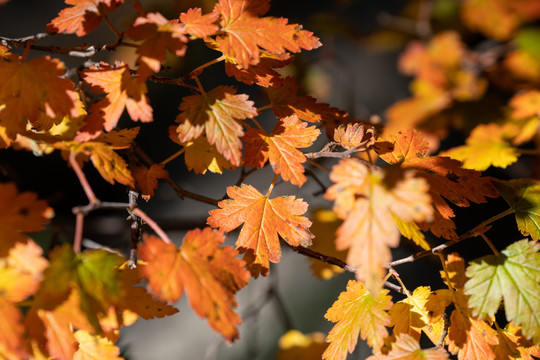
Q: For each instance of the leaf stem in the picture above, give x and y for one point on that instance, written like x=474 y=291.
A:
x=111 y=26
x=268 y=106
x=199 y=85
x=272 y=185
x=528 y=151
x=173 y=156
x=490 y=244
x=77 y=240
x=82 y=178
x=259 y=125
x=396 y=276
x=198 y=70
x=317 y=165
x=157 y=229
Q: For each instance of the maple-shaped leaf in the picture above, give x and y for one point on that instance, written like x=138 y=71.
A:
x=199 y=25
x=486 y=146
x=446 y=178
x=262 y=74
x=295 y=345
x=410 y=317
x=93 y=273
x=35 y=92
x=325 y=225
x=357 y=311
x=21 y=271
x=264 y=219
x=437 y=302
x=11 y=331
x=285 y=102
x=210 y=275
x=470 y=338
x=353 y=135
x=83 y=17
x=19 y=213
x=523 y=196
x=367 y=198
x=513 y=346
x=244 y=33
x=95 y=347
x=157 y=35
x=123 y=92
x=216 y=113
x=407 y=347
x=512 y=275
x=525 y=104
x=146 y=179
x=281 y=148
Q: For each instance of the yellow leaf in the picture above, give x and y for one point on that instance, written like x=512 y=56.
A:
x=93 y=347
x=296 y=346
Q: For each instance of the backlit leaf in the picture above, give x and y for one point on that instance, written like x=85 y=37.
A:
x=513 y=275
x=281 y=148
x=216 y=113
x=512 y=346
x=244 y=32
x=352 y=135
x=210 y=275
x=146 y=179
x=525 y=104
x=11 y=331
x=35 y=92
x=263 y=73
x=264 y=219
x=296 y=346
x=357 y=311
x=486 y=146
x=123 y=92
x=523 y=196
x=367 y=199
x=93 y=347
x=83 y=17
x=200 y=156
x=199 y=25
x=407 y=347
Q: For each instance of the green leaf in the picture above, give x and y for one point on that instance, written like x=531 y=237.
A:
x=523 y=196
x=528 y=40
x=513 y=275
x=93 y=272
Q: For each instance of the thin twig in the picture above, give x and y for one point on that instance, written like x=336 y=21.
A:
x=82 y=178
x=77 y=240
x=157 y=229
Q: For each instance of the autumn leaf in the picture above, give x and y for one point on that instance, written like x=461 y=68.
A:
x=92 y=273
x=210 y=275
x=146 y=179
x=11 y=331
x=216 y=113
x=285 y=102
x=486 y=146
x=123 y=92
x=523 y=196
x=244 y=33
x=325 y=225
x=199 y=25
x=264 y=219
x=513 y=346
x=410 y=317
x=513 y=275
x=357 y=311
x=35 y=92
x=263 y=73
x=353 y=135
x=470 y=338
x=294 y=345
x=367 y=198
x=83 y=17
x=95 y=347
x=157 y=35
x=407 y=347
x=281 y=148
x=499 y=21
x=446 y=178
x=526 y=104
x=20 y=213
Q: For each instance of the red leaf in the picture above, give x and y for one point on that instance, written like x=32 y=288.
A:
x=147 y=178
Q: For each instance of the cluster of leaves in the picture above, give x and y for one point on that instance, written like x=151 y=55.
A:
x=72 y=303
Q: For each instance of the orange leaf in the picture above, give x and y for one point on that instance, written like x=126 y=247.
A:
x=493 y=18
x=281 y=148
x=446 y=178
x=147 y=178
x=19 y=212
x=158 y=35
x=216 y=113
x=123 y=92
x=83 y=17
x=93 y=347
x=245 y=33
x=11 y=331
x=368 y=198
x=470 y=338
x=353 y=135
x=210 y=275
x=357 y=311
x=198 y=25
x=296 y=346
x=263 y=73
x=285 y=103
x=525 y=104
x=263 y=220
x=407 y=347
x=35 y=91
x=512 y=345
